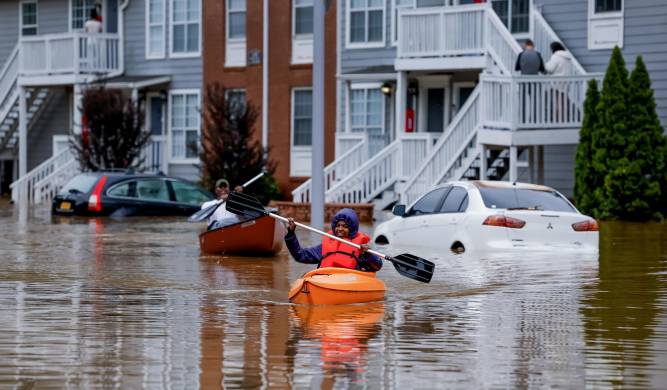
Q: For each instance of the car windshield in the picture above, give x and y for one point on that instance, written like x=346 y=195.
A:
x=524 y=199
x=80 y=184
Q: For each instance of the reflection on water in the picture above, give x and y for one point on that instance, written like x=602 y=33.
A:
x=132 y=303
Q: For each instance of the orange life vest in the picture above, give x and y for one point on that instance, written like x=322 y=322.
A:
x=337 y=254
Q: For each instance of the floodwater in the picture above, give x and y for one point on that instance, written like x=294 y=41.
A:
x=131 y=303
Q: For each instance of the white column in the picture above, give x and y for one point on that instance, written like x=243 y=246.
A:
x=23 y=132
x=76 y=109
x=513 y=167
x=483 y=163
x=401 y=93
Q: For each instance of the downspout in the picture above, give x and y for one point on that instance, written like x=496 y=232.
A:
x=265 y=77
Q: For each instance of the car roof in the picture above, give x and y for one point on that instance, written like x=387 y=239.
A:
x=497 y=184
x=118 y=176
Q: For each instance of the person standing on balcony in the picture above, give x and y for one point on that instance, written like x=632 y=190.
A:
x=560 y=63
x=93 y=52
x=529 y=60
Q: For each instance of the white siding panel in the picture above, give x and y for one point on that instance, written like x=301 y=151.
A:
x=54 y=120
x=52 y=16
x=559 y=168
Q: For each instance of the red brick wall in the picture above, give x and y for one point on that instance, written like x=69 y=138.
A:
x=283 y=76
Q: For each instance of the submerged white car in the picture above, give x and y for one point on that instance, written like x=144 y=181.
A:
x=489 y=215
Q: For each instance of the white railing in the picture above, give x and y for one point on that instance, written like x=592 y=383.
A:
x=543 y=35
x=534 y=102
x=24 y=189
x=354 y=154
x=154 y=154
x=8 y=77
x=437 y=32
x=397 y=161
x=457 y=138
x=500 y=43
x=75 y=53
x=47 y=188
x=373 y=177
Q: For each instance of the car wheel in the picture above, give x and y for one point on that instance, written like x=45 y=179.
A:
x=458 y=247
x=381 y=240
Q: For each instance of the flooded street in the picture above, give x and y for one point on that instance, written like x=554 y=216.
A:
x=131 y=303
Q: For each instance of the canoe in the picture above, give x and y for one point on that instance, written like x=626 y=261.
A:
x=261 y=236
x=336 y=286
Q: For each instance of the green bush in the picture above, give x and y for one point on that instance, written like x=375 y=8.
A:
x=620 y=162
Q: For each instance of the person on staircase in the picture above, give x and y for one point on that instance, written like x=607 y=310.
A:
x=332 y=253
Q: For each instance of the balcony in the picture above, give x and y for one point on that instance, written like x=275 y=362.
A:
x=67 y=58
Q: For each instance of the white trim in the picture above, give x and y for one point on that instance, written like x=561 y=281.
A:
x=426 y=83
x=21 y=25
x=147 y=126
x=171 y=34
x=170 y=153
x=235 y=43
x=300 y=149
x=360 y=45
x=395 y=18
x=610 y=22
x=368 y=85
x=456 y=88
x=147 y=31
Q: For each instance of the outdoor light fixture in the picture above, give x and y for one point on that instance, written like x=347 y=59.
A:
x=386 y=88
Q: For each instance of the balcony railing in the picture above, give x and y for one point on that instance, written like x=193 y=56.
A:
x=69 y=53
x=534 y=102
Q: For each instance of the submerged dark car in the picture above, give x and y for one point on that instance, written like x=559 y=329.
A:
x=120 y=194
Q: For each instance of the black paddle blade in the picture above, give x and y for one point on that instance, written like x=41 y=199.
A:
x=203 y=213
x=245 y=205
x=413 y=267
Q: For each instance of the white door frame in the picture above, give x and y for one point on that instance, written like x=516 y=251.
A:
x=456 y=88
x=426 y=83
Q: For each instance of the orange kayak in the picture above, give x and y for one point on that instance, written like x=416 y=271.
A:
x=261 y=236
x=336 y=286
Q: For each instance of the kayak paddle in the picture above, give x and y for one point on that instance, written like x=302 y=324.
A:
x=406 y=264
x=207 y=212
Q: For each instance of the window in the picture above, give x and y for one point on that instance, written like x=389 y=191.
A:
x=80 y=184
x=397 y=6
x=302 y=117
x=184 y=124
x=80 y=12
x=153 y=189
x=28 y=18
x=605 y=24
x=367 y=114
x=185 y=27
x=521 y=198
x=429 y=202
x=124 y=190
x=608 y=6
x=365 y=23
x=235 y=97
x=515 y=14
x=454 y=200
x=236 y=10
x=303 y=17
x=189 y=194
x=155 y=31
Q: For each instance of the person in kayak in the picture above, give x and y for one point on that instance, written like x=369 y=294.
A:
x=332 y=253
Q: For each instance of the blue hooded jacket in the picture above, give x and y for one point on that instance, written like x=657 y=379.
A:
x=313 y=255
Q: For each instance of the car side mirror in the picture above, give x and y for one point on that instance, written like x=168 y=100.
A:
x=398 y=210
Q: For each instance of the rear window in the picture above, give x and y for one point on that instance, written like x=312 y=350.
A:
x=522 y=198
x=80 y=184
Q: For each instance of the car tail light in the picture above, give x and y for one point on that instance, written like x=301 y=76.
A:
x=590 y=225
x=503 y=221
x=95 y=200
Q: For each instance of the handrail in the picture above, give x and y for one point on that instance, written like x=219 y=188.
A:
x=410 y=191
x=64 y=172
x=8 y=78
x=302 y=192
x=504 y=61
x=539 y=21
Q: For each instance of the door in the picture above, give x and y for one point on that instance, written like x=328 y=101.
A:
x=442 y=229
x=411 y=228
x=153 y=197
x=462 y=92
x=435 y=111
x=188 y=197
x=155 y=123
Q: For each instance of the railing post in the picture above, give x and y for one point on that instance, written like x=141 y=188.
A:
x=513 y=101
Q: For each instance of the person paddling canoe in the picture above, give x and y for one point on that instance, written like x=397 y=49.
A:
x=221 y=217
x=332 y=253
